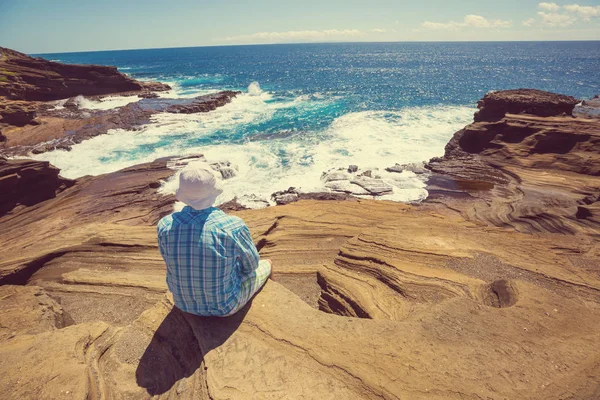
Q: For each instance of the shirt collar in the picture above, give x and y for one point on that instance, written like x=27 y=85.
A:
x=190 y=210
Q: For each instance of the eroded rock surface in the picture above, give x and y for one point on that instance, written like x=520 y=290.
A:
x=528 y=172
x=454 y=298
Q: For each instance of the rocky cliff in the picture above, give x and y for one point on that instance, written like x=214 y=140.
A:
x=490 y=289
x=36 y=79
x=26 y=82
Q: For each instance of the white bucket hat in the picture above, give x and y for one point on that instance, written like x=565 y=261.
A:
x=199 y=186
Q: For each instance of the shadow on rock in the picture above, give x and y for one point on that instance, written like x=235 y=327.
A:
x=177 y=348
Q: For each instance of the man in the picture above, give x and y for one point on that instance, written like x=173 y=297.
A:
x=213 y=267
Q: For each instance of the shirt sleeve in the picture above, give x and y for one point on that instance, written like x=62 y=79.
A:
x=248 y=255
x=162 y=247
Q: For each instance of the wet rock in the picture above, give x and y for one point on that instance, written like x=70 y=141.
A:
x=72 y=103
x=352 y=168
x=225 y=168
x=204 y=103
x=252 y=201
x=376 y=187
x=148 y=95
x=335 y=175
x=346 y=187
x=286 y=196
x=417 y=168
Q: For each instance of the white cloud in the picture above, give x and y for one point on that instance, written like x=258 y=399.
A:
x=555 y=19
x=562 y=16
x=585 y=12
x=295 y=36
x=379 y=30
x=469 y=21
x=549 y=6
x=528 y=22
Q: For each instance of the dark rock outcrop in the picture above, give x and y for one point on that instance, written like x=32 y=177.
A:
x=203 y=103
x=37 y=79
x=17 y=113
x=28 y=182
x=61 y=129
x=495 y=105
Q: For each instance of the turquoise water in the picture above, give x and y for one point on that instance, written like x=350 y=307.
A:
x=307 y=108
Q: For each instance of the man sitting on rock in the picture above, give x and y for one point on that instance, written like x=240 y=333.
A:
x=213 y=267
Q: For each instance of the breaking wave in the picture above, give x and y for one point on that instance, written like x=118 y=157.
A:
x=276 y=143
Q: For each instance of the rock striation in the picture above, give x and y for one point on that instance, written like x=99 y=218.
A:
x=490 y=289
x=27 y=182
x=529 y=172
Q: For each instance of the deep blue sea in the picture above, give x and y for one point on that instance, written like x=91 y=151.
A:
x=307 y=108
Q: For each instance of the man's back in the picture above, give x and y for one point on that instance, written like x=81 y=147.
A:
x=208 y=253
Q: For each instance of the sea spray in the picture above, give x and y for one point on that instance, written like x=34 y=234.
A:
x=254 y=89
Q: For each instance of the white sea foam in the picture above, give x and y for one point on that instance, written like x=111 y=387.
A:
x=369 y=139
x=106 y=103
x=254 y=89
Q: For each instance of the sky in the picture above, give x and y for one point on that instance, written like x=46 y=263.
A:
x=42 y=26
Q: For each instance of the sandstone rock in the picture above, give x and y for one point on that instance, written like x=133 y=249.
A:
x=495 y=105
x=523 y=171
x=28 y=182
x=453 y=298
x=17 y=113
x=376 y=187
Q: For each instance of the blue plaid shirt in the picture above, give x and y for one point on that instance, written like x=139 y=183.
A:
x=208 y=253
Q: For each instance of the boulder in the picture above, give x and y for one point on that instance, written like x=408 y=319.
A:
x=286 y=196
x=376 y=187
x=17 y=113
x=347 y=187
x=335 y=175
x=417 y=168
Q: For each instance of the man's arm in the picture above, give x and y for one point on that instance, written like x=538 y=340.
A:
x=247 y=250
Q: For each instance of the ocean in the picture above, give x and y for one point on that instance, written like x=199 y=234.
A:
x=309 y=108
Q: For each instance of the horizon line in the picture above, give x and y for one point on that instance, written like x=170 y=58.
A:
x=305 y=43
